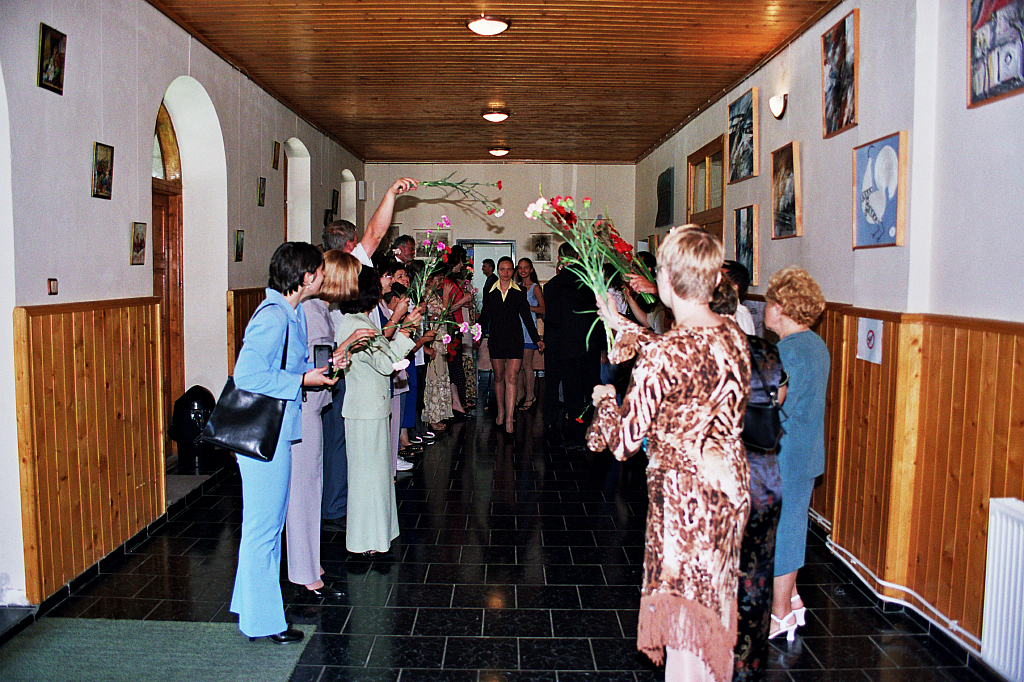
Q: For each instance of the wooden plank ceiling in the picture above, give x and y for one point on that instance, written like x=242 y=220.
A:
x=596 y=81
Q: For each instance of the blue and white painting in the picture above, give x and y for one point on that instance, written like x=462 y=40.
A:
x=879 y=192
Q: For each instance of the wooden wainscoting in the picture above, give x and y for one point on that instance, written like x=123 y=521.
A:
x=917 y=446
x=242 y=303
x=90 y=424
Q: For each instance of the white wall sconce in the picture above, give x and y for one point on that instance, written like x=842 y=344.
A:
x=777 y=105
x=361 y=190
x=51 y=286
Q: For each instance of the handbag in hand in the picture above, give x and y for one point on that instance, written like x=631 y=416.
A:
x=762 y=423
x=247 y=423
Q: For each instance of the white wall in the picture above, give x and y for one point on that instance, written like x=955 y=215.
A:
x=611 y=187
x=963 y=226
x=12 y=558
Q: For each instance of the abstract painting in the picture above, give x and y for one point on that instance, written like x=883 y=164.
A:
x=880 y=191
x=996 y=33
x=746 y=239
x=787 y=220
x=743 y=137
x=839 y=75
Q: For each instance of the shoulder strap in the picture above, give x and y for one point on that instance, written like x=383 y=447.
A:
x=287 y=328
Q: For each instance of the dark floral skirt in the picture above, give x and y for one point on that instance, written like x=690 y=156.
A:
x=757 y=568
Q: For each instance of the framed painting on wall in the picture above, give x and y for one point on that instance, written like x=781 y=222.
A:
x=743 y=137
x=839 y=66
x=261 y=192
x=665 y=190
x=787 y=218
x=138 y=241
x=745 y=220
x=102 y=170
x=275 y=158
x=541 y=246
x=995 y=50
x=52 y=48
x=239 y=245
x=423 y=238
x=880 y=191
x=334 y=201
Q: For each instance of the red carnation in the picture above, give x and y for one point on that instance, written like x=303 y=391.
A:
x=499 y=184
x=490 y=211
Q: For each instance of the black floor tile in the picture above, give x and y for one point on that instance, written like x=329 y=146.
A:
x=517 y=562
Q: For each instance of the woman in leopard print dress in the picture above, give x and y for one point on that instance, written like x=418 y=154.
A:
x=687 y=398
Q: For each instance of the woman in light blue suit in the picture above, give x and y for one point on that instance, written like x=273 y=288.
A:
x=296 y=273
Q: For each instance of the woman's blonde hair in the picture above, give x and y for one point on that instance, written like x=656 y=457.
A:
x=341 y=277
x=692 y=258
x=797 y=294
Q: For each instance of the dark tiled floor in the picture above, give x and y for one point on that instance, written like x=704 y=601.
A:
x=517 y=561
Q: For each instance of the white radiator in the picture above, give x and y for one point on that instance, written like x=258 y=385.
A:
x=1002 y=630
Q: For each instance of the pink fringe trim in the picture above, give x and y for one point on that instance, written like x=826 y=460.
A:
x=670 y=620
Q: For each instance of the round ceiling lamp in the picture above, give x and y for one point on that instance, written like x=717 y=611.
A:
x=487 y=26
x=495 y=114
x=498 y=151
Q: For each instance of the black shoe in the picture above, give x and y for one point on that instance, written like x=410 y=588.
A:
x=334 y=525
x=289 y=635
x=459 y=416
x=325 y=592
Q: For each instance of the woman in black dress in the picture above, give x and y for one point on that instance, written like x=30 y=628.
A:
x=505 y=312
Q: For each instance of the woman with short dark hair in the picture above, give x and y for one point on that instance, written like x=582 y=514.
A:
x=275 y=336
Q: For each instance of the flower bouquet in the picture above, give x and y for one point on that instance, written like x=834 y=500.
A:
x=469 y=191
x=435 y=261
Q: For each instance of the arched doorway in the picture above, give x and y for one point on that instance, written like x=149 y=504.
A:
x=298 y=212
x=168 y=259
x=205 y=240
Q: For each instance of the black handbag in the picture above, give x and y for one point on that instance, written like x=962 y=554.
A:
x=762 y=423
x=247 y=423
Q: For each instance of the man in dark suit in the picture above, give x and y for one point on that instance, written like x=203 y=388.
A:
x=570 y=360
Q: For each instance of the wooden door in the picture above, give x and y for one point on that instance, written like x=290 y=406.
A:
x=168 y=287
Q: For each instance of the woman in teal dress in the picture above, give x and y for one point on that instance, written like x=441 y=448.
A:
x=372 y=508
x=794 y=303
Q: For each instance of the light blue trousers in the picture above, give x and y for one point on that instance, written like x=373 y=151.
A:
x=257 y=595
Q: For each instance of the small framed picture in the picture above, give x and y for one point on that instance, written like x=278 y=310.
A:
x=239 y=245
x=787 y=217
x=261 y=192
x=745 y=219
x=52 y=46
x=138 y=244
x=328 y=217
x=275 y=160
x=880 y=191
x=839 y=66
x=743 y=137
x=540 y=245
x=423 y=239
x=334 y=201
x=102 y=170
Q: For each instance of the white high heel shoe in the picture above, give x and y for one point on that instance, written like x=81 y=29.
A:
x=800 y=613
x=786 y=626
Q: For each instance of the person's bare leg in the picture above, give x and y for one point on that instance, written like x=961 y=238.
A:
x=498 y=365
x=530 y=378
x=682 y=665
x=783 y=588
x=456 y=403
x=511 y=372
x=521 y=384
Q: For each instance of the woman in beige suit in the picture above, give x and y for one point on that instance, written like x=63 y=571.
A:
x=372 y=509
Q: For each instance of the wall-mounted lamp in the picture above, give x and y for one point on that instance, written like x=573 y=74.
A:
x=495 y=114
x=51 y=287
x=487 y=26
x=777 y=105
x=498 y=151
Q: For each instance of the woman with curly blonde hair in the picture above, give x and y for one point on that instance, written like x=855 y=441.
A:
x=794 y=303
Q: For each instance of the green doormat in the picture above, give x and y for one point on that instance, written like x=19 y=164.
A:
x=76 y=649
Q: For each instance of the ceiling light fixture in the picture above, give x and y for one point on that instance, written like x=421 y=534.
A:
x=487 y=26
x=777 y=105
x=498 y=151
x=495 y=114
